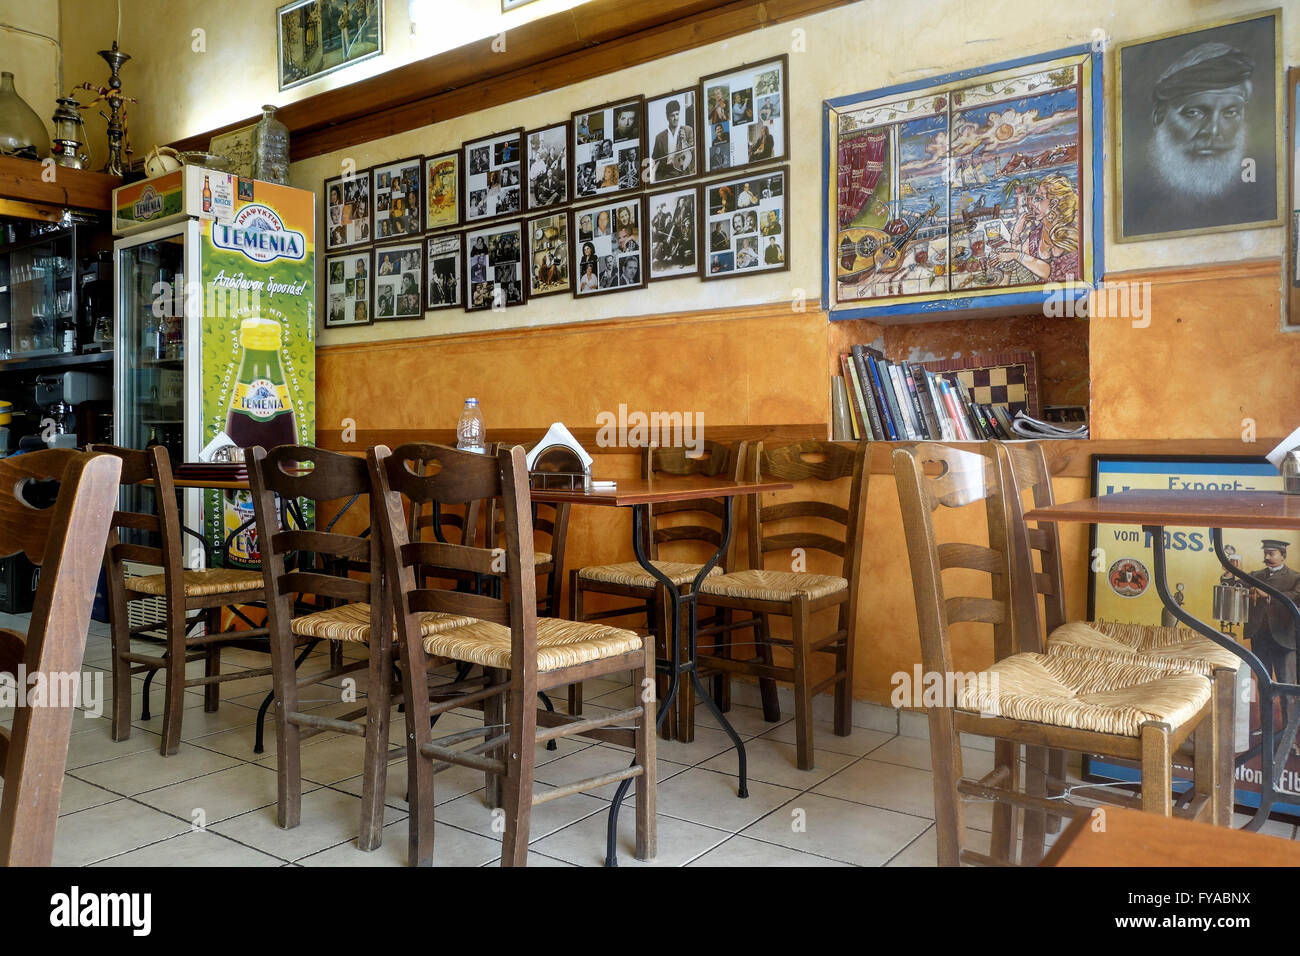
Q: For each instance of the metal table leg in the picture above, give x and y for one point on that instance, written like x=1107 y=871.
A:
x=676 y=666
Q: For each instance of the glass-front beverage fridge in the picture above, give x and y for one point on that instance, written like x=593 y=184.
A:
x=215 y=329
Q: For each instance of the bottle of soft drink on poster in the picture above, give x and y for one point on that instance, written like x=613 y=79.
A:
x=261 y=410
x=470 y=434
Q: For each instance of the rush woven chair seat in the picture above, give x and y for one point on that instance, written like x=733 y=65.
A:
x=834 y=529
x=351 y=623
x=1028 y=699
x=680 y=526
x=66 y=540
x=1026 y=476
x=520 y=656
x=155 y=539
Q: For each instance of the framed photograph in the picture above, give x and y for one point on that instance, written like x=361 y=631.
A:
x=316 y=37
x=348 y=211
x=1291 y=267
x=548 y=255
x=349 y=289
x=445 y=262
x=493 y=169
x=1199 y=130
x=674 y=218
x=746 y=222
x=546 y=158
x=508 y=5
x=494 y=266
x=672 y=130
x=398 y=191
x=608 y=143
x=746 y=120
x=936 y=194
x=1122 y=588
x=237 y=147
x=609 y=247
x=399 y=281
x=442 y=191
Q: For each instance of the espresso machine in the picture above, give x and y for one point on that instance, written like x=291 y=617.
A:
x=69 y=416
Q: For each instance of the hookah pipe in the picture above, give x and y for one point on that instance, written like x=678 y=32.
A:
x=118 y=131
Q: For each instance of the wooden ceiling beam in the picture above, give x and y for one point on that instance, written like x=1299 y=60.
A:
x=547 y=54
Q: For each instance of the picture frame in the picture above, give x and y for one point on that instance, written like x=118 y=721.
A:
x=344 y=303
x=604 y=258
x=546 y=165
x=492 y=171
x=397 y=191
x=672 y=217
x=399 y=280
x=1291 y=264
x=738 y=125
x=442 y=195
x=1169 y=179
x=508 y=5
x=237 y=147
x=349 y=208
x=311 y=44
x=550 y=269
x=494 y=269
x=672 y=134
x=919 y=222
x=608 y=142
x=758 y=205
x=444 y=271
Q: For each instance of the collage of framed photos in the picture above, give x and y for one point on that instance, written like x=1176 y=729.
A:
x=633 y=191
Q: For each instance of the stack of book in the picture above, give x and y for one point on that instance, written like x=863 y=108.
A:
x=881 y=400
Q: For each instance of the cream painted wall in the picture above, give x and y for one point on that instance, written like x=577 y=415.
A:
x=32 y=60
x=184 y=91
x=846 y=52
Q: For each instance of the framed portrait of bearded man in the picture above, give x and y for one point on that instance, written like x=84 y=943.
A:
x=1199 y=130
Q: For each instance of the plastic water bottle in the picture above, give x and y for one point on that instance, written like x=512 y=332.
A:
x=469 y=430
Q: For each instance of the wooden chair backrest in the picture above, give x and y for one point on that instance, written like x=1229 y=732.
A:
x=715 y=458
x=139 y=466
x=67 y=540
x=449 y=476
x=802 y=461
x=549 y=518
x=964 y=478
x=332 y=477
x=1025 y=471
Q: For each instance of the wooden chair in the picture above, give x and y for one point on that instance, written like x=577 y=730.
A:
x=795 y=594
x=295 y=472
x=1026 y=474
x=1027 y=698
x=628 y=579
x=521 y=655
x=206 y=591
x=67 y=540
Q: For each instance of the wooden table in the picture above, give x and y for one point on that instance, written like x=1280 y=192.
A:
x=1157 y=509
x=1117 y=836
x=638 y=494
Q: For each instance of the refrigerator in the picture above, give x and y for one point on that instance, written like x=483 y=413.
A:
x=214 y=332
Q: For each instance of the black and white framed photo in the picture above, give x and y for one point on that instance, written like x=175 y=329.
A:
x=349 y=288
x=672 y=130
x=546 y=159
x=549 y=269
x=398 y=191
x=494 y=266
x=746 y=222
x=673 y=223
x=399 y=281
x=609 y=247
x=1199 y=131
x=443 y=266
x=493 y=171
x=608 y=143
x=348 y=211
x=442 y=191
x=746 y=120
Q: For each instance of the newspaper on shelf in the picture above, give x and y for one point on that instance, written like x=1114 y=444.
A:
x=1028 y=427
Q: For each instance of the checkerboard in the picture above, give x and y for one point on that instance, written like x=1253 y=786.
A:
x=997 y=378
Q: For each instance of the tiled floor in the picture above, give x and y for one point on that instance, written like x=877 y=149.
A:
x=869 y=801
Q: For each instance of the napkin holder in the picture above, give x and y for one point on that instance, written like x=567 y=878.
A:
x=559 y=462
